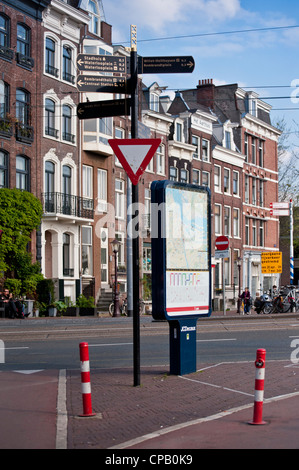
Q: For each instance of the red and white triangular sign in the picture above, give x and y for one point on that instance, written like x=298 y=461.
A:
x=134 y=155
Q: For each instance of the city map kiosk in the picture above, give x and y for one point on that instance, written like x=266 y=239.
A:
x=181 y=265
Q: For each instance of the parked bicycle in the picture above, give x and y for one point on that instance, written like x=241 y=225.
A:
x=123 y=307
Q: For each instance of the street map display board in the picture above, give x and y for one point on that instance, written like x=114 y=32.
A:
x=181 y=250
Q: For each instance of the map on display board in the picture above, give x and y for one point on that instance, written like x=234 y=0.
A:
x=185 y=232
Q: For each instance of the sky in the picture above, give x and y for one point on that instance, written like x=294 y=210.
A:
x=266 y=61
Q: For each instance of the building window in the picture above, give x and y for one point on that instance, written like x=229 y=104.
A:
x=4 y=99
x=196 y=143
x=262 y=232
x=87 y=266
x=3 y=169
x=87 y=178
x=235 y=183
x=246 y=230
x=23 y=40
x=106 y=128
x=217 y=178
x=50 y=59
x=205 y=150
x=179 y=132
x=246 y=147
x=119 y=199
x=261 y=153
x=49 y=187
x=67 y=60
x=261 y=192
x=66 y=179
x=4 y=31
x=217 y=217
x=253 y=150
x=161 y=160
x=227 y=221
x=195 y=176
x=94 y=15
x=102 y=190
x=226 y=181
x=236 y=223
x=154 y=102
x=173 y=173
x=147 y=209
x=205 y=178
x=254 y=191
x=67 y=124
x=228 y=140
x=50 y=118
x=254 y=240
x=22 y=173
x=66 y=254
x=23 y=106
x=246 y=189
x=184 y=176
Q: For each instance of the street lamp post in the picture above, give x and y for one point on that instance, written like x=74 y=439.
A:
x=239 y=263
x=115 y=247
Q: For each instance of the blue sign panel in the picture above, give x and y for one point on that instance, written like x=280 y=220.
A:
x=181 y=250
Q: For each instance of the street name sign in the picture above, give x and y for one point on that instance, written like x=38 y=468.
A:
x=271 y=262
x=98 y=83
x=134 y=155
x=100 y=109
x=279 y=212
x=101 y=63
x=222 y=243
x=279 y=205
x=182 y=64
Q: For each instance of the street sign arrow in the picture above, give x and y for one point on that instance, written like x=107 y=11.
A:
x=99 y=109
x=182 y=64
x=101 y=63
x=134 y=155
x=97 y=83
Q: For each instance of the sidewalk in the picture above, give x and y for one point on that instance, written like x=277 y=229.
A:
x=209 y=409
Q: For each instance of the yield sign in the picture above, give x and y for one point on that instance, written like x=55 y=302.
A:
x=134 y=155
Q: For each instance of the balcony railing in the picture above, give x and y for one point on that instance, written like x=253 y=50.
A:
x=24 y=133
x=66 y=204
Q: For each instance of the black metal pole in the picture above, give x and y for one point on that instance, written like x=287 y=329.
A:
x=135 y=242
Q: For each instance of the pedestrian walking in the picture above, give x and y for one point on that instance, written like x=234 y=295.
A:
x=247 y=300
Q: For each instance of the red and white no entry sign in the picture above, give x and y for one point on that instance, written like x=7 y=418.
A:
x=222 y=243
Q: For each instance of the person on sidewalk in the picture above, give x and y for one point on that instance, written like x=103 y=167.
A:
x=247 y=300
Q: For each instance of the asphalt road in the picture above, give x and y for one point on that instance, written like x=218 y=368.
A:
x=54 y=343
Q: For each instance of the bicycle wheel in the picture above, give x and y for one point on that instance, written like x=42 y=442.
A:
x=111 y=309
x=268 y=308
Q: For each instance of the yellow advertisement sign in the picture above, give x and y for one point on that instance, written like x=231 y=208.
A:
x=272 y=262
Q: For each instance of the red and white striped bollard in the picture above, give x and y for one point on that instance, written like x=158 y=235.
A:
x=85 y=380
x=259 y=387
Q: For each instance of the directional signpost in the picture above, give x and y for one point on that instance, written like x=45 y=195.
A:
x=98 y=109
x=134 y=155
x=101 y=63
x=98 y=83
x=181 y=64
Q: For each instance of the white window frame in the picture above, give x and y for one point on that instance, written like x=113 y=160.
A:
x=160 y=160
x=196 y=180
x=226 y=176
x=236 y=222
x=196 y=143
x=119 y=199
x=227 y=220
x=89 y=249
x=205 y=150
x=218 y=219
x=236 y=183
x=102 y=189
x=217 y=179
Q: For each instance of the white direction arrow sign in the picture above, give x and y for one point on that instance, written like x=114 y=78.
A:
x=134 y=155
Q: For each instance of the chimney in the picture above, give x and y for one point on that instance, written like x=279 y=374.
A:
x=206 y=93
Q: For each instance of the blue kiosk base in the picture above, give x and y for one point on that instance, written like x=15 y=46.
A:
x=182 y=343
